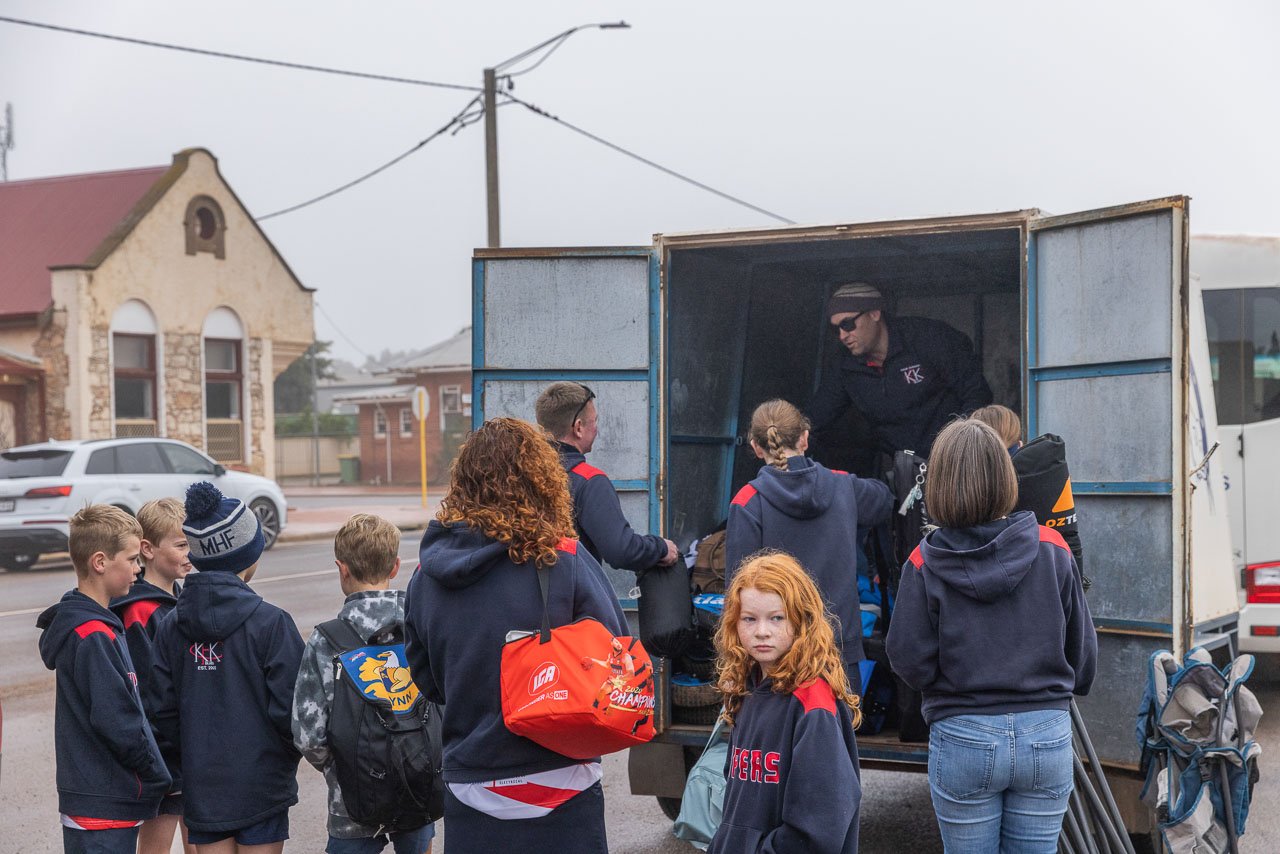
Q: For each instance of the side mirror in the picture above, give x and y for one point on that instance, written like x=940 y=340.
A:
x=219 y=470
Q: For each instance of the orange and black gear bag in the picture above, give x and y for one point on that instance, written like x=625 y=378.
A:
x=577 y=689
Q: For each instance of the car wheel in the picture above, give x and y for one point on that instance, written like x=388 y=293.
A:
x=22 y=560
x=269 y=518
x=670 y=807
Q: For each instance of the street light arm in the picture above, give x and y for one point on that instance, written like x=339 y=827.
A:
x=559 y=37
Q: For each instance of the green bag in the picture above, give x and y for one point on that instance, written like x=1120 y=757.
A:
x=703 y=803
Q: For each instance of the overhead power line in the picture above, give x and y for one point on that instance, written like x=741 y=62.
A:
x=386 y=78
x=338 y=329
x=646 y=161
x=468 y=115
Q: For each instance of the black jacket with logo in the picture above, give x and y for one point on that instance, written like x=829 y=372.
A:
x=226 y=663
x=930 y=375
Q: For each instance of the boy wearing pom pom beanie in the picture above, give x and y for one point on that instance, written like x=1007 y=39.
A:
x=226 y=662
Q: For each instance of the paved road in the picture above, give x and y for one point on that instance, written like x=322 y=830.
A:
x=300 y=577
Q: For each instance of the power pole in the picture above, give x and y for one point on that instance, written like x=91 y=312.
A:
x=6 y=141
x=491 y=154
x=315 y=418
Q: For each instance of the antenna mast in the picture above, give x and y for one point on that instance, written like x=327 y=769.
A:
x=6 y=141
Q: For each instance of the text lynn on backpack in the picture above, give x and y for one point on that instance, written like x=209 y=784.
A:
x=385 y=738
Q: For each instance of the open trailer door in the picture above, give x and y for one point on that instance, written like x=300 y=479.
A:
x=586 y=315
x=1106 y=358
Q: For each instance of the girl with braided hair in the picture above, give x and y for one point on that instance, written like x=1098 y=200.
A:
x=813 y=513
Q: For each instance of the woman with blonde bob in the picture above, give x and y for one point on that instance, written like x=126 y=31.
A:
x=992 y=627
x=793 y=780
x=506 y=514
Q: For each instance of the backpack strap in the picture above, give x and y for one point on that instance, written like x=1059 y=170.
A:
x=341 y=635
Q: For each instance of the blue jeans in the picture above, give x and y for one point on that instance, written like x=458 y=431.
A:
x=408 y=842
x=1001 y=782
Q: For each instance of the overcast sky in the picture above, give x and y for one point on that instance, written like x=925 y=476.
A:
x=821 y=112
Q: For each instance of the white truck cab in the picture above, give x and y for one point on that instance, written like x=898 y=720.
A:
x=1239 y=277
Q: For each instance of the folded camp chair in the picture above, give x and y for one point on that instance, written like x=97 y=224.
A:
x=1196 y=728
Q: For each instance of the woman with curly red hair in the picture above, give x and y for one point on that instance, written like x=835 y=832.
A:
x=506 y=514
x=793 y=762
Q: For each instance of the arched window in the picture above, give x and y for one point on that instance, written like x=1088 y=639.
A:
x=224 y=385
x=205 y=227
x=135 y=395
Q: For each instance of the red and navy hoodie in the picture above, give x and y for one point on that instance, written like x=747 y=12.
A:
x=140 y=610
x=597 y=513
x=813 y=514
x=992 y=620
x=793 y=781
x=463 y=600
x=225 y=666
x=108 y=764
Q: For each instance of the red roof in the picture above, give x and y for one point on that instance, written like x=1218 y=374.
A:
x=53 y=222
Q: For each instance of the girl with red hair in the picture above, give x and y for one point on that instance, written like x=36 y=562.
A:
x=793 y=772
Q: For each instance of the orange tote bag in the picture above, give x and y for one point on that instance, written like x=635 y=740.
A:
x=577 y=689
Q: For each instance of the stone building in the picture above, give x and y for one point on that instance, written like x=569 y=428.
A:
x=145 y=302
x=389 y=447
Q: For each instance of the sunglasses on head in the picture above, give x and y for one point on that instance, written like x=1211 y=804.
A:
x=849 y=323
x=590 y=395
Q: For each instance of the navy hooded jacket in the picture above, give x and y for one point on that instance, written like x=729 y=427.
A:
x=108 y=764
x=813 y=514
x=462 y=601
x=930 y=375
x=226 y=663
x=793 y=782
x=141 y=610
x=597 y=513
x=992 y=620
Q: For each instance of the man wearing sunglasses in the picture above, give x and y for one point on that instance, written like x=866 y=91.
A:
x=907 y=376
x=567 y=410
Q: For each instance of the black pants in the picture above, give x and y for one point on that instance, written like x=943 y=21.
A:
x=576 y=827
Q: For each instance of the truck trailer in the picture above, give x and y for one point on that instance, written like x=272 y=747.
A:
x=1088 y=325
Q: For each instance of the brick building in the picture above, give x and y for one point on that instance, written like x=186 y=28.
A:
x=389 y=451
x=144 y=302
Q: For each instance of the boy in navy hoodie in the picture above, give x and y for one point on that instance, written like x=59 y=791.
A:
x=225 y=664
x=109 y=770
x=166 y=560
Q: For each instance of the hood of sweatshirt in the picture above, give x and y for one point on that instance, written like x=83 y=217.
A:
x=214 y=604
x=60 y=619
x=374 y=613
x=457 y=556
x=985 y=562
x=803 y=491
x=143 y=590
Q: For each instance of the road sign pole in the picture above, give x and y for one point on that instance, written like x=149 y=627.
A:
x=421 y=405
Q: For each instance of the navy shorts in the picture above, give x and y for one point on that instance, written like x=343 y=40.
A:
x=272 y=829
x=171 y=805
x=122 y=840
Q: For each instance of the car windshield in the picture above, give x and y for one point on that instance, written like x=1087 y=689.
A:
x=43 y=463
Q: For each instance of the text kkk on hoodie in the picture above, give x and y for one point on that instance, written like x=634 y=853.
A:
x=992 y=620
x=226 y=662
x=462 y=601
x=108 y=764
x=813 y=514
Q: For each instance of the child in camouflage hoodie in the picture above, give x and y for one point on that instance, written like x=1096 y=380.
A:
x=366 y=551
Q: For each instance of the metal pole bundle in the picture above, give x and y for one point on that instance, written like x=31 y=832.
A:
x=1092 y=824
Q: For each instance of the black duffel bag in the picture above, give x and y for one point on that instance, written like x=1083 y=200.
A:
x=666 y=611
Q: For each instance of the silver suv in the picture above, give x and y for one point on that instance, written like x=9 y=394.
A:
x=42 y=485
